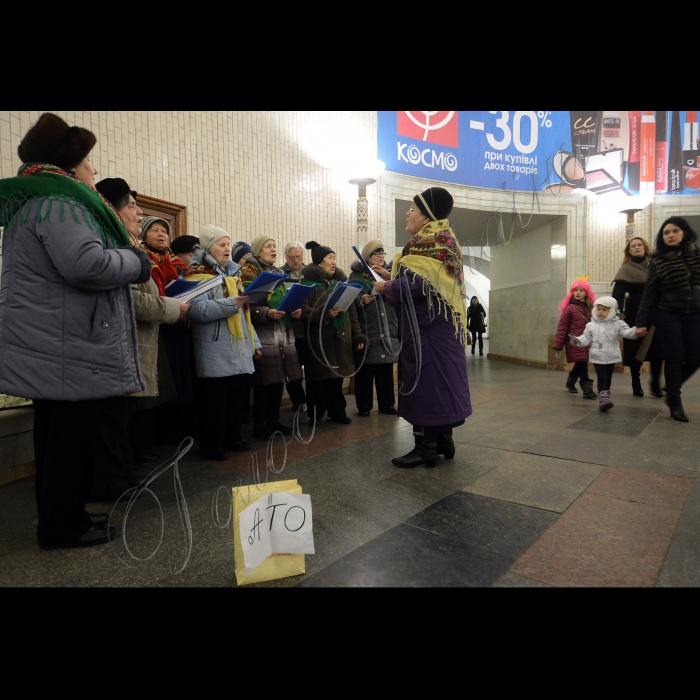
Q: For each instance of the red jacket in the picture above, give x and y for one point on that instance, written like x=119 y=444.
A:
x=573 y=320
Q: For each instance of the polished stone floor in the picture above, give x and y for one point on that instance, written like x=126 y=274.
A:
x=544 y=491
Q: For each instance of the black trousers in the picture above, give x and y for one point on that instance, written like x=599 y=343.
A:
x=474 y=335
x=267 y=399
x=65 y=444
x=296 y=389
x=222 y=402
x=604 y=374
x=325 y=395
x=369 y=375
x=580 y=371
x=114 y=456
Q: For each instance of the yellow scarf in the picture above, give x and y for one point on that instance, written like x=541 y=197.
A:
x=444 y=282
x=234 y=287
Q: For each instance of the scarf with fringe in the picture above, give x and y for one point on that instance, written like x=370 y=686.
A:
x=435 y=255
x=232 y=287
x=72 y=197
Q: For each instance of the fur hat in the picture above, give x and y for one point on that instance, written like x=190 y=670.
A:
x=582 y=282
x=370 y=247
x=238 y=250
x=436 y=203
x=52 y=141
x=210 y=234
x=114 y=189
x=259 y=242
x=611 y=303
x=184 y=244
x=148 y=221
x=318 y=251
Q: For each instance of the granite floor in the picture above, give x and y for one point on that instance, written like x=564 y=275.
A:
x=544 y=491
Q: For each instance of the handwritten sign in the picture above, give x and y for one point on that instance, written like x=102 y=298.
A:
x=277 y=523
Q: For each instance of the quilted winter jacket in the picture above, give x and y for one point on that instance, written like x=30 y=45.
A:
x=603 y=337
x=216 y=352
x=67 y=329
x=573 y=320
x=279 y=361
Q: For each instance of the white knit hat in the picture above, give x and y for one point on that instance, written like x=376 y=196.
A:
x=210 y=234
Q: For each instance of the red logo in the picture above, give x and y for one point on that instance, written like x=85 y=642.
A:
x=432 y=127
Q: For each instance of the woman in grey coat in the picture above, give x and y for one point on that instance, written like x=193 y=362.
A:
x=67 y=331
x=224 y=346
x=379 y=323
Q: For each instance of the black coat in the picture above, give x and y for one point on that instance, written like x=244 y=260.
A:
x=476 y=315
x=629 y=306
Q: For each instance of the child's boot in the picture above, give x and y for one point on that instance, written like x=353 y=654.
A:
x=587 y=386
x=571 y=384
x=604 y=402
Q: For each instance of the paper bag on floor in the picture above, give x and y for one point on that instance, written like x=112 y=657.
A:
x=279 y=510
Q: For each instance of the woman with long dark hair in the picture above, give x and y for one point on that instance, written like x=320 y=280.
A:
x=671 y=301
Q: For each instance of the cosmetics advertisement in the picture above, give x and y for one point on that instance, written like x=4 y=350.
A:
x=605 y=152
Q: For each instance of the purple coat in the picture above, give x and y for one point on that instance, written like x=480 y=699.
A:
x=441 y=395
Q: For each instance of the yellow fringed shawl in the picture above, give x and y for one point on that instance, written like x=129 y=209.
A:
x=434 y=254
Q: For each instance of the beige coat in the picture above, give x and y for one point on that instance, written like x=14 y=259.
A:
x=151 y=310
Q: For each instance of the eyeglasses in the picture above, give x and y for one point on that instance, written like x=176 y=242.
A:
x=379 y=251
x=295 y=257
x=412 y=209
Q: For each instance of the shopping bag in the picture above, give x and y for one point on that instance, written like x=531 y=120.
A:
x=276 y=565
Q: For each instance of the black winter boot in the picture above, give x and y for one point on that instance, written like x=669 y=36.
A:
x=673 y=372
x=425 y=452
x=445 y=444
x=655 y=386
x=587 y=386
x=636 y=382
x=571 y=383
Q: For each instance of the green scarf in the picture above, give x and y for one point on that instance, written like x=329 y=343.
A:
x=39 y=181
x=339 y=320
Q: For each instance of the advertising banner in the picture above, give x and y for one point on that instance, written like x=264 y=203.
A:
x=609 y=153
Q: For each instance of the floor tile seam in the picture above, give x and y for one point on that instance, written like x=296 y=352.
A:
x=522 y=505
x=451 y=538
x=630 y=500
x=627 y=500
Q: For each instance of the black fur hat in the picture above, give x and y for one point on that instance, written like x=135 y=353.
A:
x=184 y=244
x=436 y=203
x=52 y=141
x=318 y=251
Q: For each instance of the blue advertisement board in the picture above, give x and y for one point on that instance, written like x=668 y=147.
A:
x=609 y=153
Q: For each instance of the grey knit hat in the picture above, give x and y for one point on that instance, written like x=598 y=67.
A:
x=148 y=221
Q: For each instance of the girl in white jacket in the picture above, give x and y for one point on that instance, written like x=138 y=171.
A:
x=603 y=334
